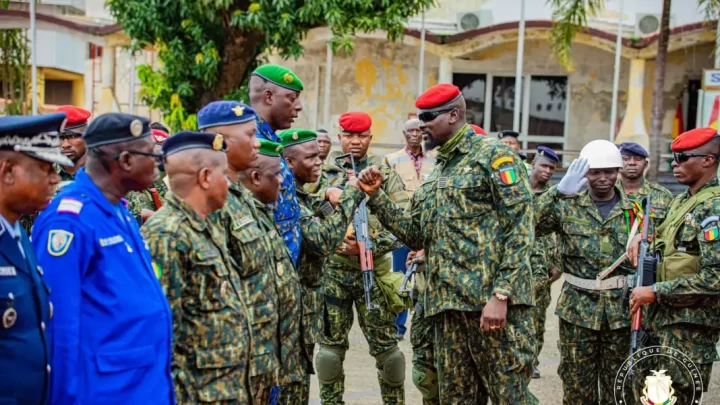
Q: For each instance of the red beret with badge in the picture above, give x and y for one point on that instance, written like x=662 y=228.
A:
x=438 y=95
x=478 y=130
x=159 y=136
x=692 y=139
x=76 y=116
x=355 y=122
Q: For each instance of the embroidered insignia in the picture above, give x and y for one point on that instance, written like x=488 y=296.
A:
x=157 y=269
x=442 y=182
x=114 y=240
x=707 y=220
x=218 y=142
x=9 y=317
x=501 y=161
x=711 y=232
x=508 y=176
x=70 y=206
x=59 y=242
x=246 y=220
x=288 y=78
x=238 y=110
x=295 y=136
x=8 y=271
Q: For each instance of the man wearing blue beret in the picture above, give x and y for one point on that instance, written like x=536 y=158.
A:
x=544 y=253
x=112 y=332
x=29 y=146
x=275 y=96
x=632 y=181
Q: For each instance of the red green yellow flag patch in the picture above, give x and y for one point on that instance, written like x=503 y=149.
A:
x=711 y=234
x=508 y=176
x=157 y=269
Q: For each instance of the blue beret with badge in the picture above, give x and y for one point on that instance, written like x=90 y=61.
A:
x=187 y=140
x=547 y=153
x=111 y=128
x=36 y=136
x=219 y=113
x=633 y=149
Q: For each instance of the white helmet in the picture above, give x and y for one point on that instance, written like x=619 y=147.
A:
x=602 y=154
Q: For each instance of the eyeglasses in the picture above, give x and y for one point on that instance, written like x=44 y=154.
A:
x=69 y=135
x=157 y=156
x=682 y=157
x=428 y=116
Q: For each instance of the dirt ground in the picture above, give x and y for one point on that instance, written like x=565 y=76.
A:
x=361 y=376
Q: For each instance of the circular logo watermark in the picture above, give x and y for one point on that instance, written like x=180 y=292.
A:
x=656 y=385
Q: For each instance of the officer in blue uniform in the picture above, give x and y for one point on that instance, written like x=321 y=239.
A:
x=112 y=332
x=275 y=97
x=28 y=148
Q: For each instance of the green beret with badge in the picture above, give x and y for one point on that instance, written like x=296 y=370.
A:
x=269 y=148
x=279 y=75
x=291 y=137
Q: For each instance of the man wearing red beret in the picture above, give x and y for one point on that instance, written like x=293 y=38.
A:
x=143 y=204
x=343 y=280
x=686 y=314
x=474 y=218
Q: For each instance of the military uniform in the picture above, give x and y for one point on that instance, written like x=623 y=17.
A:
x=342 y=286
x=660 y=199
x=594 y=319
x=473 y=217
x=139 y=200
x=25 y=307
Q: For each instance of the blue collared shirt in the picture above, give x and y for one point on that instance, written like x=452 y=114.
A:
x=14 y=231
x=287 y=208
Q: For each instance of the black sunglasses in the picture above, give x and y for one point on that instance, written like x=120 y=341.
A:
x=682 y=157
x=70 y=135
x=156 y=155
x=428 y=116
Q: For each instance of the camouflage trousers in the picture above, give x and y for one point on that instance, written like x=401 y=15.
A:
x=261 y=388
x=542 y=302
x=468 y=358
x=379 y=329
x=424 y=369
x=295 y=393
x=698 y=343
x=589 y=357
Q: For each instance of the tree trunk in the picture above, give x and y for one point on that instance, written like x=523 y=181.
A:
x=657 y=144
x=238 y=55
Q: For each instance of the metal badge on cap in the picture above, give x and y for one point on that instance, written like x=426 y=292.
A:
x=218 y=142
x=136 y=128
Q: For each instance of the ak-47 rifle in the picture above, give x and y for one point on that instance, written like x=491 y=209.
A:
x=645 y=276
x=364 y=242
x=410 y=273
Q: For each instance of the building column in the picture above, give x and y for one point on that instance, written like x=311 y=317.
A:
x=107 y=102
x=633 y=128
x=445 y=71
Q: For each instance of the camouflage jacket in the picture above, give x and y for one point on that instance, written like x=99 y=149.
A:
x=139 y=200
x=210 y=321
x=544 y=254
x=697 y=236
x=660 y=199
x=26 y=221
x=473 y=217
x=342 y=271
x=588 y=245
x=293 y=361
x=251 y=258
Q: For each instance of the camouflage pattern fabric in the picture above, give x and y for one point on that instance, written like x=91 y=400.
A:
x=477 y=203
x=701 y=288
x=660 y=199
x=588 y=356
x=422 y=336
x=295 y=393
x=468 y=359
x=251 y=258
x=139 y=200
x=293 y=361
x=210 y=321
x=26 y=221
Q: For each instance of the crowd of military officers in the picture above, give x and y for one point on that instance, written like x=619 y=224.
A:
x=205 y=267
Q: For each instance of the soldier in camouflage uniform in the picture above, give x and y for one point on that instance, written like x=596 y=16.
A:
x=249 y=249
x=72 y=146
x=636 y=187
x=686 y=313
x=342 y=282
x=592 y=228
x=142 y=204
x=473 y=217
x=544 y=254
x=321 y=235
x=210 y=321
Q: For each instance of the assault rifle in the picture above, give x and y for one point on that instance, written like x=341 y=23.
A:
x=410 y=273
x=644 y=276
x=364 y=242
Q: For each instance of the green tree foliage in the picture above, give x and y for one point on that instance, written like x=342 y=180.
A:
x=208 y=47
x=14 y=69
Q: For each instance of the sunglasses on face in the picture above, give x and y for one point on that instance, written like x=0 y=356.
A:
x=69 y=135
x=428 y=116
x=682 y=157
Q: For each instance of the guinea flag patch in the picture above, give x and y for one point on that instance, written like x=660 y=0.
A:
x=710 y=229
x=508 y=175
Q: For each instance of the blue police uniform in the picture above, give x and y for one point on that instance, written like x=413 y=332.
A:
x=25 y=307
x=112 y=333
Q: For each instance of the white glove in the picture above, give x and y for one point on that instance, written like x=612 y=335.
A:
x=574 y=179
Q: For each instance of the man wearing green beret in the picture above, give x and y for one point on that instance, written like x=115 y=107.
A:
x=321 y=235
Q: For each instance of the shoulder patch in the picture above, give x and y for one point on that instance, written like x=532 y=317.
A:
x=70 y=205
x=501 y=161
x=59 y=242
x=708 y=220
x=508 y=175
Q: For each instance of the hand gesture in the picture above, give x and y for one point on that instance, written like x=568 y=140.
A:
x=370 y=180
x=574 y=179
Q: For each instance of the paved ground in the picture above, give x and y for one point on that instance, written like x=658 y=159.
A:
x=361 y=376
